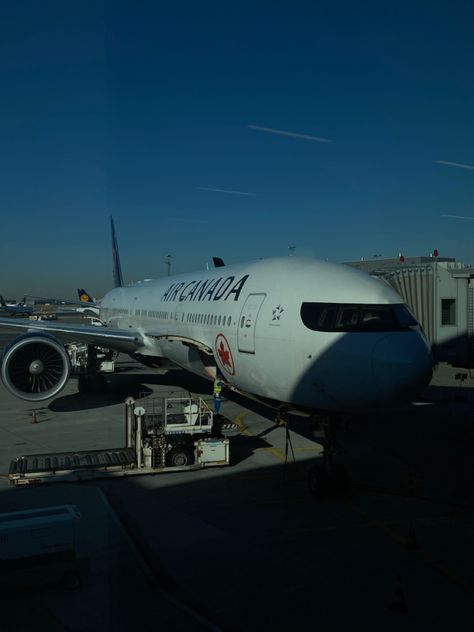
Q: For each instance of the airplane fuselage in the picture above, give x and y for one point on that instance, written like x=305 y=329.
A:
x=312 y=334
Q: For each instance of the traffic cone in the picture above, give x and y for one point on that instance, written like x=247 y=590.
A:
x=399 y=603
x=411 y=543
x=34 y=419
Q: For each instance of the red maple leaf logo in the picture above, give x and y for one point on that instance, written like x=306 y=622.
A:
x=224 y=355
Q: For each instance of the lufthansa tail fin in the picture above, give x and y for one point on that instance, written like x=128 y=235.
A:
x=117 y=270
x=84 y=296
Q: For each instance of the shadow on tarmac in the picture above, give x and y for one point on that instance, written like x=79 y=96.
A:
x=111 y=394
x=252 y=549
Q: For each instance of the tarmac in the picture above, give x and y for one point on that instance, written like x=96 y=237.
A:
x=247 y=547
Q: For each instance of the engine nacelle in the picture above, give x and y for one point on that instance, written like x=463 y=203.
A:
x=35 y=367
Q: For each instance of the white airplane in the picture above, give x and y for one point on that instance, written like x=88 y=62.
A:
x=299 y=333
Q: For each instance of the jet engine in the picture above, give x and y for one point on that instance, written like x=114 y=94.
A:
x=35 y=367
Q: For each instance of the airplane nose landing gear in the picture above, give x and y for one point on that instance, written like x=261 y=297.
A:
x=328 y=478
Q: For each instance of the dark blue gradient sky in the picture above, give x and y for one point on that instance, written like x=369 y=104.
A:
x=135 y=109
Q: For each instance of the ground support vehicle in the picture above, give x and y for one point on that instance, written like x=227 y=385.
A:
x=161 y=435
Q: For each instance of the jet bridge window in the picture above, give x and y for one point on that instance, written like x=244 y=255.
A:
x=448 y=311
x=357 y=318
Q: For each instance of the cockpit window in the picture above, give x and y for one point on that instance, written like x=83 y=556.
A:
x=357 y=318
x=404 y=316
x=328 y=317
x=348 y=317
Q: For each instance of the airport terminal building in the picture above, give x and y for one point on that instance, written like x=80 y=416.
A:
x=440 y=293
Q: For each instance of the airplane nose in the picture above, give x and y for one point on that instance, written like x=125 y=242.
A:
x=402 y=366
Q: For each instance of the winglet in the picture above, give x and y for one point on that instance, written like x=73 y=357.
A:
x=218 y=262
x=117 y=270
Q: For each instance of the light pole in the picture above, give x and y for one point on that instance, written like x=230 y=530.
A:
x=168 y=263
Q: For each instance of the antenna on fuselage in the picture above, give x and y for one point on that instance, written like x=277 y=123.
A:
x=116 y=267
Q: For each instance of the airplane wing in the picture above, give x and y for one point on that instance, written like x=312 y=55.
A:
x=126 y=341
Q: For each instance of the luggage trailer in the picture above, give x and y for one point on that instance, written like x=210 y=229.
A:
x=161 y=435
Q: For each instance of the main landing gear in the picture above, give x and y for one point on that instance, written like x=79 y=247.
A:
x=90 y=380
x=328 y=478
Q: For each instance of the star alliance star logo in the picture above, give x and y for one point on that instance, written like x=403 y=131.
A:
x=277 y=312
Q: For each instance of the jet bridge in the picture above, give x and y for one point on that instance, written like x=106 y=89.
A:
x=161 y=435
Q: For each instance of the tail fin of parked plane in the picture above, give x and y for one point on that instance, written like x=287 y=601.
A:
x=218 y=262
x=84 y=296
x=117 y=270
x=2 y=302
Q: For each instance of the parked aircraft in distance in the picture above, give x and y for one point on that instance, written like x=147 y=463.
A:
x=15 y=309
x=85 y=297
x=87 y=305
x=294 y=332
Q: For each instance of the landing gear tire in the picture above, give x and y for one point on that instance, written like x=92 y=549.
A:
x=325 y=482
x=180 y=457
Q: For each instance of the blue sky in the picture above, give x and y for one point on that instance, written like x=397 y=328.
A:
x=137 y=109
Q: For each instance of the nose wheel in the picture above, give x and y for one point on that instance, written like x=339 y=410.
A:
x=328 y=478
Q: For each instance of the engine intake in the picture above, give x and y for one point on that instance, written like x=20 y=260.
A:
x=35 y=367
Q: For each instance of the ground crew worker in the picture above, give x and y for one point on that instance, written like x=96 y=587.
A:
x=218 y=386
x=281 y=418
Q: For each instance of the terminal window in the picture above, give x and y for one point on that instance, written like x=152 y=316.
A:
x=448 y=311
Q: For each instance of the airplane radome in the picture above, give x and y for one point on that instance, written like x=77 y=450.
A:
x=306 y=334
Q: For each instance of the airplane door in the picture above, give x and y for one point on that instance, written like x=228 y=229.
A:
x=247 y=322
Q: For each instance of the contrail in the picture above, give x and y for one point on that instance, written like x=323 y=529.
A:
x=225 y=191
x=270 y=130
x=455 y=164
x=189 y=220
x=458 y=216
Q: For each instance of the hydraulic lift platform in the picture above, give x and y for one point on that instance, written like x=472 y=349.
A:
x=162 y=435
